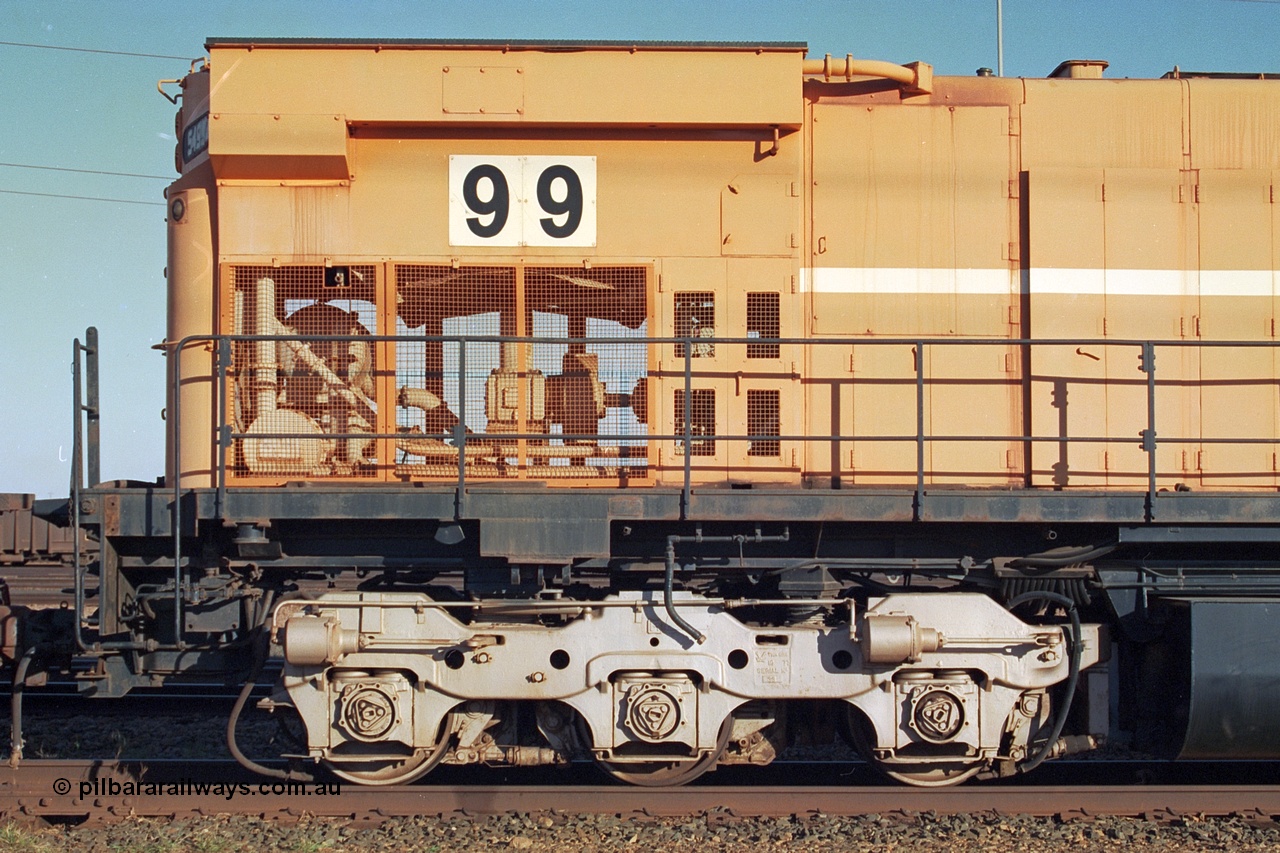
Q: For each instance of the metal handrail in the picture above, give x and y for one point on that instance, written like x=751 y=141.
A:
x=89 y=412
x=86 y=419
x=1145 y=438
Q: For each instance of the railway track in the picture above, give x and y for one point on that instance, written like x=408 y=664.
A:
x=104 y=791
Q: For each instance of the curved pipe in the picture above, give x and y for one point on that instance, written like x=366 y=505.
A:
x=668 y=582
x=668 y=579
x=918 y=77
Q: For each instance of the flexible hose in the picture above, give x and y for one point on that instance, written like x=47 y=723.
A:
x=19 y=687
x=1059 y=557
x=1073 y=670
x=261 y=648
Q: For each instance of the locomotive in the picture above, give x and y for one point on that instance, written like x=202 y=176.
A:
x=660 y=404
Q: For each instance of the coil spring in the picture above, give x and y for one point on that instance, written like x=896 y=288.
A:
x=1073 y=588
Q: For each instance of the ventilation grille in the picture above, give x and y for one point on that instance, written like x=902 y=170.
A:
x=304 y=404
x=520 y=372
x=695 y=317
x=702 y=421
x=763 y=321
x=539 y=409
x=763 y=419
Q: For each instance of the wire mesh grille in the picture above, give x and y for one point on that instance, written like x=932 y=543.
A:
x=764 y=419
x=702 y=421
x=303 y=405
x=695 y=317
x=763 y=321
x=591 y=388
x=561 y=409
x=442 y=384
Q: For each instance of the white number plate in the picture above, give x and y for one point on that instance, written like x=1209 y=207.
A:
x=522 y=201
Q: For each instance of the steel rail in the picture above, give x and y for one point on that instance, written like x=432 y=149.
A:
x=99 y=791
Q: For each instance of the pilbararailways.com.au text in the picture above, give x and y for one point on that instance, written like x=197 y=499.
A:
x=191 y=788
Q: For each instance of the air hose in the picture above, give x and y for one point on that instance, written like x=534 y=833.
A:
x=261 y=650
x=1073 y=671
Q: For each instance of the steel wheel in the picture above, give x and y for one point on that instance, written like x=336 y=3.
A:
x=668 y=773
x=930 y=775
x=387 y=772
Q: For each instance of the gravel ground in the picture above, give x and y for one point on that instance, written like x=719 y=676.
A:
x=163 y=736
x=579 y=834
x=201 y=735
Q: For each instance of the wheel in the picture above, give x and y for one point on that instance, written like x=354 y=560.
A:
x=382 y=771
x=668 y=773
x=930 y=775
x=388 y=771
x=856 y=732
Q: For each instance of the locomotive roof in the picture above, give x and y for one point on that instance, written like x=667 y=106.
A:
x=517 y=44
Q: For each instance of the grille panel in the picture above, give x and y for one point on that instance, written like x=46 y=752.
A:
x=695 y=317
x=559 y=409
x=524 y=372
x=764 y=416
x=702 y=421
x=764 y=320
x=304 y=404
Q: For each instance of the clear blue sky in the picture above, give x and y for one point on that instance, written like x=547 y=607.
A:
x=68 y=263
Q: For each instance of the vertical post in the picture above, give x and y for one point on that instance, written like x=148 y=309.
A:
x=460 y=433
x=687 y=493
x=524 y=389
x=176 y=510
x=92 y=410
x=999 y=38
x=1147 y=364
x=224 y=428
x=919 y=497
x=76 y=474
x=77 y=466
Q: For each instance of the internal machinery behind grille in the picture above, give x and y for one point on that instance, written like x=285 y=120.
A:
x=537 y=372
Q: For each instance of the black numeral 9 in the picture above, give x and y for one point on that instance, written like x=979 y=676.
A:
x=571 y=204
x=498 y=205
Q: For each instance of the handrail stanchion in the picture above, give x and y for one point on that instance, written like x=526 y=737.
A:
x=93 y=411
x=919 y=496
x=177 y=493
x=686 y=494
x=77 y=472
x=224 y=428
x=460 y=433
x=1147 y=364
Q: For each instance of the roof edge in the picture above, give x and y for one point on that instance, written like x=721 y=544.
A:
x=500 y=44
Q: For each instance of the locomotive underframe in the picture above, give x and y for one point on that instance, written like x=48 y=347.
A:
x=823 y=559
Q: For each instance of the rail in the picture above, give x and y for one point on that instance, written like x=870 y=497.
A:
x=65 y=792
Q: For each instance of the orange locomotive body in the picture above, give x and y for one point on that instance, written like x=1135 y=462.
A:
x=650 y=403
x=615 y=194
